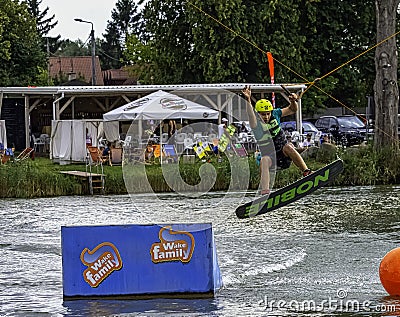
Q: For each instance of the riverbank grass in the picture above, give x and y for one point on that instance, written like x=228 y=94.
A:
x=43 y=178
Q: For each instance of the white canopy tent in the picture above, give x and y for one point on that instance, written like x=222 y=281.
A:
x=68 y=138
x=161 y=105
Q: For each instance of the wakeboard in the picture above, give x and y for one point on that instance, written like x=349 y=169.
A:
x=292 y=192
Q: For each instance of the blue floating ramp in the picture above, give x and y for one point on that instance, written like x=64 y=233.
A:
x=173 y=260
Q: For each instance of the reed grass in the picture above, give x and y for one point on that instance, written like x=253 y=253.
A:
x=42 y=178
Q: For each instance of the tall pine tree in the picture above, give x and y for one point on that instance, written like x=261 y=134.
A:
x=125 y=20
x=44 y=24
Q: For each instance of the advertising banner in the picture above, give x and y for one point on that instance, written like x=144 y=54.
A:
x=139 y=260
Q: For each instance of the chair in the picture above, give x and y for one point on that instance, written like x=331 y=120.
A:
x=170 y=153
x=116 y=156
x=188 y=144
x=295 y=138
x=243 y=138
x=96 y=156
x=127 y=141
x=179 y=141
x=37 y=143
x=28 y=152
x=240 y=150
x=102 y=142
x=46 y=140
x=164 y=138
x=197 y=136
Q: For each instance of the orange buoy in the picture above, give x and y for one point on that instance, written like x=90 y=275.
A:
x=389 y=272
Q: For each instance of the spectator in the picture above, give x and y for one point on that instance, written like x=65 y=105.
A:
x=243 y=128
x=171 y=127
x=106 y=150
x=222 y=127
x=307 y=142
x=325 y=139
x=149 y=152
x=88 y=138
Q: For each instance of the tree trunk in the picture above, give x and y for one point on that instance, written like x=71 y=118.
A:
x=386 y=92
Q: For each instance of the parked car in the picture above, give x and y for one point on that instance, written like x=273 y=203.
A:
x=290 y=127
x=308 y=127
x=346 y=130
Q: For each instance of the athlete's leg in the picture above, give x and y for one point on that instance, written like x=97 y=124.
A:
x=295 y=156
x=265 y=165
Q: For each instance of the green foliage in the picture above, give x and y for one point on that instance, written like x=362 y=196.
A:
x=73 y=48
x=125 y=21
x=41 y=178
x=19 y=45
x=44 y=24
x=141 y=57
x=36 y=178
x=343 y=31
x=168 y=38
x=218 y=53
x=206 y=41
x=42 y=78
x=365 y=166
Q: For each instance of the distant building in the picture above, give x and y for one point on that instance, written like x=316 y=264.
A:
x=77 y=71
x=72 y=68
x=118 y=77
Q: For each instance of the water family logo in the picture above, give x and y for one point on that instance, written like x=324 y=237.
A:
x=173 y=246
x=101 y=262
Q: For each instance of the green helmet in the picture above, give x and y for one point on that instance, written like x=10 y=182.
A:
x=263 y=105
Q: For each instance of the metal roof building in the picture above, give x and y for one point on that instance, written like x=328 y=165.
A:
x=73 y=102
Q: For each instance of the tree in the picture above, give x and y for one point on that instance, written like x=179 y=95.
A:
x=44 y=24
x=386 y=91
x=125 y=20
x=213 y=41
x=73 y=48
x=21 y=58
x=166 y=42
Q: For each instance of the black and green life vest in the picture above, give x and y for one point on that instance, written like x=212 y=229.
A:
x=271 y=131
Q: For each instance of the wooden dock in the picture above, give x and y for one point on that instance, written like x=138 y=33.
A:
x=81 y=174
x=95 y=181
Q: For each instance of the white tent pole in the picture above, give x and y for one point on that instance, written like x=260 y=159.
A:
x=161 y=126
x=140 y=129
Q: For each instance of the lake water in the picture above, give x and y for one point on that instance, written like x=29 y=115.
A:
x=319 y=256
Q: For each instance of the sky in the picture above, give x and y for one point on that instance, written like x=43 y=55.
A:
x=96 y=11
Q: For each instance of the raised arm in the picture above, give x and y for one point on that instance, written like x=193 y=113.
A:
x=249 y=108
x=293 y=106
